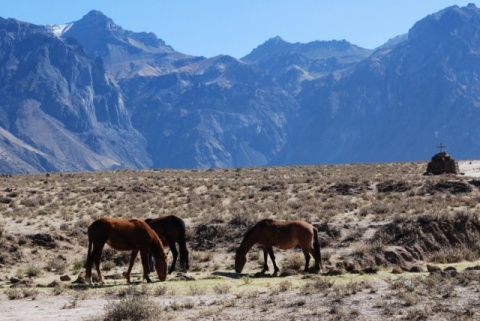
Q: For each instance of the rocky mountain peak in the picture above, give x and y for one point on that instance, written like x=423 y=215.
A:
x=450 y=23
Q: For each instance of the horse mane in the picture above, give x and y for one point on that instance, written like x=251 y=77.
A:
x=150 y=221
x=246 y=235
x=157 y=247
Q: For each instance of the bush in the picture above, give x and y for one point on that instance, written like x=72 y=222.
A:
x=33 y=270
x=57 y=265
x=132 y=307
x=294 y=262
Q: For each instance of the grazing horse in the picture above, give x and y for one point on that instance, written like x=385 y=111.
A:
x=171 y=229
x=125 y=235
x=284 y=235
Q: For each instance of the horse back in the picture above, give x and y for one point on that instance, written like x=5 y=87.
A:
x=169 y=228
x=120 y=234
x=284 y=234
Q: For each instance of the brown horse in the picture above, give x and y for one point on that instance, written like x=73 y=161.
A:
x=171 y=229
x=125 y=235
x=284 y=235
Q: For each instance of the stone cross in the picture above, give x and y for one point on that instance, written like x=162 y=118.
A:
x=441 y=146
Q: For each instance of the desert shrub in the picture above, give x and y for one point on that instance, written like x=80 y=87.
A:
x=380 y=209
x=294 y=262
x=57 y=264
x=133 y=291
x=284 y=286
x=21 y=292
x=349 y=288
x=454 y=255
x=392 y=186
x=82 y=224
x=58 y=288
x=317 y=285
x=108 y=265
x=14 y=294
x=132 y=307
x=33 y=270
x=195 y=290
x=160 y=290
x=221 y=288
x=29 y=202
x=78 y=265
x=243 y=218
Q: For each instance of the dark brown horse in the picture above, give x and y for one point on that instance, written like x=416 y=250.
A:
x=171 y=230
x=123 y=235
x=282 y=234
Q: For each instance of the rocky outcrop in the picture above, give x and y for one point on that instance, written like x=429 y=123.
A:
x=59 y=110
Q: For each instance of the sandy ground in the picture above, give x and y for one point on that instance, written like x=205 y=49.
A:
x=470 y=167
x=47 y=307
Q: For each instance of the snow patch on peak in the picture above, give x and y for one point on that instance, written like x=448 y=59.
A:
x=58 y=30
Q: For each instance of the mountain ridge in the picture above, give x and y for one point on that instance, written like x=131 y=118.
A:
x=128 y=100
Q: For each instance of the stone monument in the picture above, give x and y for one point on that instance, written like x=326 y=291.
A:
x=442 y=163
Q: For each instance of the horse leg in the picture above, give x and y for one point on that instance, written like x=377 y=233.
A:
x=88 y=266
x=183 y=256
x=307 y=258
x=315 y=257
x=144 y=257
x=96 y=255
x=272 y=257
x=151 y=263
x=265 y=258
x=133 y=256
x=174 y=251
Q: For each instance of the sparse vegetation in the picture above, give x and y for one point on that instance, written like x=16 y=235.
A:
x=371 y=219
x=132 y=307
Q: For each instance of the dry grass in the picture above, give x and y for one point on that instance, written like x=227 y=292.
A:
x=370 y=217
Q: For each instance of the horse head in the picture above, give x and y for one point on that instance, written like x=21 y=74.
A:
x=161 y=266
x=240 y=260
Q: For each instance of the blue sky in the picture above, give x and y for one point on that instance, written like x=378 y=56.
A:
x=235 y=27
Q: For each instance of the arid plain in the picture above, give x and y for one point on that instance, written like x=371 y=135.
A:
x=396 y=245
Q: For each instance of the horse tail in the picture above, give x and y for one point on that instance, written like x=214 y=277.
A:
x=316 y=246
x=183 y=247
x=89 y=251
x=89 y=258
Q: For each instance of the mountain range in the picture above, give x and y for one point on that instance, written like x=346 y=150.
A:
x=89 y=95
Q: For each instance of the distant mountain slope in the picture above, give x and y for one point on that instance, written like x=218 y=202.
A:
x=193 y=111
x=89 y=95
x=291 y=63
x=60 y=109
x=219 y=112
x=400 y=102
x=125 y=53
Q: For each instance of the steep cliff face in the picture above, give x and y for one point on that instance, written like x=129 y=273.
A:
x=401 y=101
x=219 y=112
x=57 y=101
